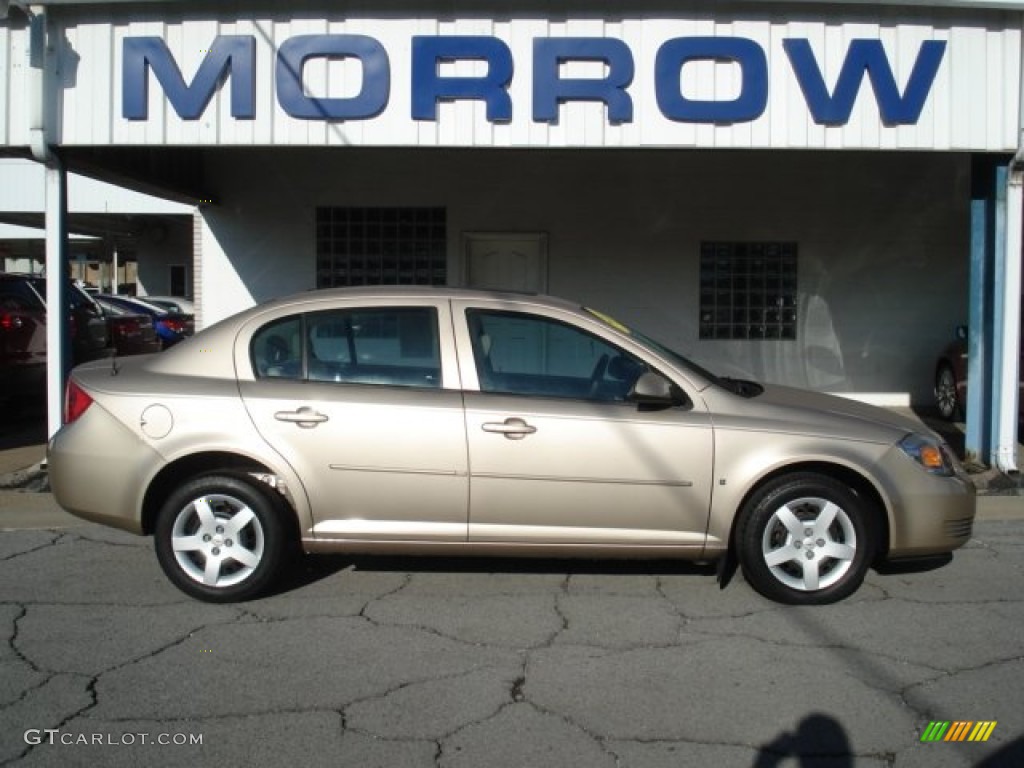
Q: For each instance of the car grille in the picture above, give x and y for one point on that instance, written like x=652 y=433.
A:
x=959 y=529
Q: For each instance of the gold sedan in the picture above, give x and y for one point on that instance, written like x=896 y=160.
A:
x=450 y=422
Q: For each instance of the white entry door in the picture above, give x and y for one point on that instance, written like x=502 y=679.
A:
x=513 y=261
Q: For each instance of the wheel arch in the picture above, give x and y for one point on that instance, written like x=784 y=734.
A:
x=944 y=362
x=859 y=483
x=208 y=463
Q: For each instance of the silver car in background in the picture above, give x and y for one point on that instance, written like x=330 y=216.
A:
x=452 y=422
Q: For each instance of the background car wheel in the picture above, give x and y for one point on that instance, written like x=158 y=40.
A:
x=805 y=539
x=946 y=393
x=221 y=538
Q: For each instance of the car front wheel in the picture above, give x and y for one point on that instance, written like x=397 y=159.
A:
x=220 y=538
x=805 y=539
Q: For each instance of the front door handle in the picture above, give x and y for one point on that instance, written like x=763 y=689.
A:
x=305 y=417
x=512 y=428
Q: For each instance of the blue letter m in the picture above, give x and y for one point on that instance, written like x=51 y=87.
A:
x=229 y=54
x=865 y=56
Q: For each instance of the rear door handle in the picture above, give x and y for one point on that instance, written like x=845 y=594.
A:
x=305 y=417
x=513 y=428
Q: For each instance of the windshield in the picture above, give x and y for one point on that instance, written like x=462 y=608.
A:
x=747 y=389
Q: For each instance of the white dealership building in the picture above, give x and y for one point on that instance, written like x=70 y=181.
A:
x=815 y=194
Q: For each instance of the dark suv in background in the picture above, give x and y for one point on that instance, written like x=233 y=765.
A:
x=22 y=338
x=23 y=332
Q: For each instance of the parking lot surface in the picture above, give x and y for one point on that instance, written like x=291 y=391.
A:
x=411 y=662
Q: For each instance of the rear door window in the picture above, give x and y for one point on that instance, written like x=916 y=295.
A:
x=393 y=346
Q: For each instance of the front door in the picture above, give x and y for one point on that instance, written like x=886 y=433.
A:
x=557 y=453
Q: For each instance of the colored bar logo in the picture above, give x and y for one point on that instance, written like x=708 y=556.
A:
x=958 y=730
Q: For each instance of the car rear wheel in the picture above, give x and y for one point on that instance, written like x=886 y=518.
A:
x=946 y=393
x=804 y=539
x=220 y=538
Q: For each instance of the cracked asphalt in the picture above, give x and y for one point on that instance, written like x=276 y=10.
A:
x=397 y=662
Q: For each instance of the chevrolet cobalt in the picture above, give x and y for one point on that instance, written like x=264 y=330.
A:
x=452 y=422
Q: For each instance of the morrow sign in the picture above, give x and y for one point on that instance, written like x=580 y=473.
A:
x=232 y=59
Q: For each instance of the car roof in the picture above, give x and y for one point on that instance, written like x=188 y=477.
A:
x=416 y=291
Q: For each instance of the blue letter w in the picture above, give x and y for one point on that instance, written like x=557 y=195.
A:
x=865 y=56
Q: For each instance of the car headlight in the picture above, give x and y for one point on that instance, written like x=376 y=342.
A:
x=932 y=455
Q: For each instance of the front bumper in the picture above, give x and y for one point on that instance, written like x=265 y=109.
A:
x=929 y=514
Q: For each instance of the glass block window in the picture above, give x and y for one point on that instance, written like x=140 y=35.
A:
x=748 y=290
x=381 y=246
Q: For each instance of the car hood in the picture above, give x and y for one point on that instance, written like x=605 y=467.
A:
x=791 y=410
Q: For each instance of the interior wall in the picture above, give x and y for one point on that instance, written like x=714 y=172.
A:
x=882 y=240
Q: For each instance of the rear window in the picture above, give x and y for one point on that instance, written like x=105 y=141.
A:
x=17 y=295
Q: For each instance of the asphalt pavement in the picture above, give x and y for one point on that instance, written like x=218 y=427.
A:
x=396 y=662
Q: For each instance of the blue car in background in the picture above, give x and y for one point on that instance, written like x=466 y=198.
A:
x=170 y=327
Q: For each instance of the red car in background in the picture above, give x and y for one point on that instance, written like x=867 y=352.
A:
x=170 y=327
x=131 y=333
x=951 y=378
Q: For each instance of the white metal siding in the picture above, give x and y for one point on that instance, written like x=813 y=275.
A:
x=972 y=105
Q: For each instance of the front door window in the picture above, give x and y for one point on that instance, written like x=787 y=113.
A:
x=520 y=354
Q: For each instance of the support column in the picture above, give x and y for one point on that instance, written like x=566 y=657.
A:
x=979 y=317
x=58 y=342
x=1006 y=325
x=994 y=315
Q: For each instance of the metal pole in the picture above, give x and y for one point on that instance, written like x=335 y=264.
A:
x=58 y=343
x=1007 y=336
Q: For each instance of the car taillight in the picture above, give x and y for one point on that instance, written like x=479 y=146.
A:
x=177 y=326
x=10 y=322
x=76 y=402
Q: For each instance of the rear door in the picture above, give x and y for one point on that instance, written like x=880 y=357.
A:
x=363 y=402
x=557 y=453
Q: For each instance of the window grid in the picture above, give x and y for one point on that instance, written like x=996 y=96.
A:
x=748 y=290
x=381 y=246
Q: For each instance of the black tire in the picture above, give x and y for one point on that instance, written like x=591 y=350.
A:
x=224 y=553
x=824 y=552
x=947 y=395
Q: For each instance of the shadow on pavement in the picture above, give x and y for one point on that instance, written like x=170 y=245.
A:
x=816 y=737
x=309 y=569
x=22 y=424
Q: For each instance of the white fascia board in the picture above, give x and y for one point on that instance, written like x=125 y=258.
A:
x=1003 y=5
x=999 y=5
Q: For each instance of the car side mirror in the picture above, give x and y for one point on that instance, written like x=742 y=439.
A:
x=652 y=390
